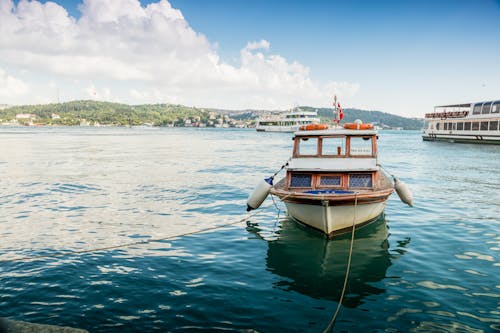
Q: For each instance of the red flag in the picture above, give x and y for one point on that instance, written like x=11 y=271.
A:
x=341 y=113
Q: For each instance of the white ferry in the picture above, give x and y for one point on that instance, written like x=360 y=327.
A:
x=471 y=122
x=287 y=122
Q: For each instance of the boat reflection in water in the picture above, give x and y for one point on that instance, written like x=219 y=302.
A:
x=315 y=266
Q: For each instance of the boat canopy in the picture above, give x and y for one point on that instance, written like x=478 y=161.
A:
x=335 y=131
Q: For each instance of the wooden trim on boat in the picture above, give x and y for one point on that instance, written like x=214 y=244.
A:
x=379 y=181
x=343 y=180
x=347 y=150
x=363 y=197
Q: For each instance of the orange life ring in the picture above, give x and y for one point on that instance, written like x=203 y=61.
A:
x=355 y=126
x=313 y=127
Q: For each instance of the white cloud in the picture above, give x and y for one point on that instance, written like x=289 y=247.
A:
x=262 y=44
x=11 y=87
x=149 y=54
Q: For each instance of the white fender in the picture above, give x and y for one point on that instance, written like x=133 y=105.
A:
x=259 y=194
x=403 y=192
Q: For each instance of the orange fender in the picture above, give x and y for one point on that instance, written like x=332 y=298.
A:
x=358 y=126
x=313 y=127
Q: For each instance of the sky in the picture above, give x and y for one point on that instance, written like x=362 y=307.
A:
x=402 y=57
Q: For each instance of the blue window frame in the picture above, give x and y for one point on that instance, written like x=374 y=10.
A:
x=300 y=180
x=360 y=180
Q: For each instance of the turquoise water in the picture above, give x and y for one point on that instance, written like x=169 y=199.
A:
x=141 y=196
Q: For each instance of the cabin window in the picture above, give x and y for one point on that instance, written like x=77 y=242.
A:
x=484 y=126
x=475 y=126
x=330 y=180
x=460 y=126
x=486 y=108
x=467 y=126
x=454 y=126
x=360 y=180
x=300 y=180
x=308 y=146
x=477 y=109
x=437 y=126
x=445 y=126
x=494 y=125
x=333 y=146
x=495 y=108
x=360 y=146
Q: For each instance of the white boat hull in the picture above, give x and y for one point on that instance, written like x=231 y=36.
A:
x=285 y=129
x=488 y=138
x=334 y=220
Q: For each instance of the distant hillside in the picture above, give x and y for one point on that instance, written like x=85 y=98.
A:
x=382 y=119
x=379 y=118
x=107 y=113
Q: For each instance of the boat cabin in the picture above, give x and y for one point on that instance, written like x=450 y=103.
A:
x=333 y=160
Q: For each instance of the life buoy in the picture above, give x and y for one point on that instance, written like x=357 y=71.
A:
x=355 y=126
x=313 y=127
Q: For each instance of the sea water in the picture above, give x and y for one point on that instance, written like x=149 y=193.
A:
x=142 y=230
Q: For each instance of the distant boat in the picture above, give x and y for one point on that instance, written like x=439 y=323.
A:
x=466 y=123
x=287 y=122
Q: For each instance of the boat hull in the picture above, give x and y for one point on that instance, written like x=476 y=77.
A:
x=277 y=128
x=335 y=219
x=461 y=138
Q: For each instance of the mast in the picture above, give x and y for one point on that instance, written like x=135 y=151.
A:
x=336 y=119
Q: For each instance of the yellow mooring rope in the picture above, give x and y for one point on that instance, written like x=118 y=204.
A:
x=332 y=321
x=112 y=247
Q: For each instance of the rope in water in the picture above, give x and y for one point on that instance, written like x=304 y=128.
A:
x=112 y=247
x=348 y=269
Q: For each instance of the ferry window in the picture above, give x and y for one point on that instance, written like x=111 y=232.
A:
x=300 y=180
x=308 y=146
x=333 y=146
x=494 y=125
x=460 y=126
x=445 y=126
x=360 y=180
x=329 y=181
x=484 y=126
x=486 y=108
x=495 y=108
x=477 y=109
x=454 y=126
x=475 y=126
x=360 y=146
x=467 y=126
x=437 y=126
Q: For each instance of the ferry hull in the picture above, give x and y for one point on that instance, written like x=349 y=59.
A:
x=482 y=139
x=283 y=129
x=335 y=219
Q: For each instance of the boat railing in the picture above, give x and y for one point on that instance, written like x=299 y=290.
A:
x=361 y=151
x=444 y=115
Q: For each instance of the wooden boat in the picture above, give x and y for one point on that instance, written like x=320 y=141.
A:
x=333 y=181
